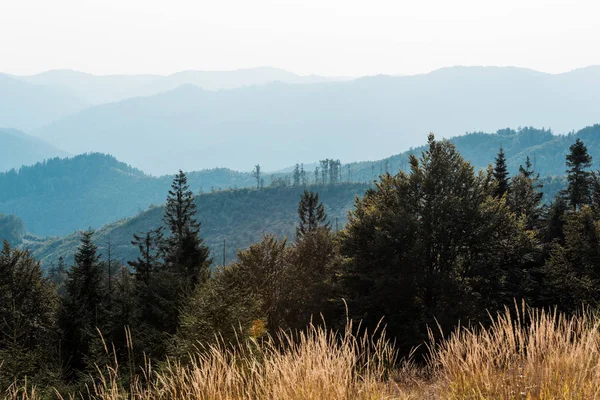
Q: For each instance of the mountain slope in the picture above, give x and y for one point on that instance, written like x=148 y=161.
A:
x=240 y=216
x=17 y=149
x=547 y=152
x=369 y=118
x=26 y=106
x=98 y=89
x=59 y=196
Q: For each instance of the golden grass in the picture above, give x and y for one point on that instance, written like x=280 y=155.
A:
x=524 y=354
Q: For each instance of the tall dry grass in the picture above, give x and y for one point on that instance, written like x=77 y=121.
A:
x=524 y=354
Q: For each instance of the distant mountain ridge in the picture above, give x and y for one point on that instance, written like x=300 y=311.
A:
x=18 y=148
x=99 y=89
x=276 y=125
x=26 y=106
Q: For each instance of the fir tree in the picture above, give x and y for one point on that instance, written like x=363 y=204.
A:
x=83 y=309
x=148 y=245
x=184 y=250
x=578 y=163
x=501 y=174
x=297 y=175
x=311 y=214
x=256 y=175
x=525 y=196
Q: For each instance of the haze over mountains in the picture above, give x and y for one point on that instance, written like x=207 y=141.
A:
x=279 y=124
x=18 y=148
x=27 y=106
x=98 y=89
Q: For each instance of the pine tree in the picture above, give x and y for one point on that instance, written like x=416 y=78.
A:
x=501 y=174
x=578 y=163
x=525 y=196
x=256 y=175
x=303 y=178
x=311 y=213
x=83 y=309
x=297 y=175
x=184 y=250
x=148 y=245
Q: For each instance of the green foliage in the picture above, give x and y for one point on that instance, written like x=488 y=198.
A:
x=27 y=319
x=311 y=214
x=501 y=174
x=83 y=310
x=12 y=229
x=580 y=179
x=432 y=245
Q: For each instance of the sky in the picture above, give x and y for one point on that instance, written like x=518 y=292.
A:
x=324 y=37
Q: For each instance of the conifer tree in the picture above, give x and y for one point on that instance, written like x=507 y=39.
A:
x=256 y=175
x=303 y=178
x=578 y=163
x=297 y=176
x=184 y=250
x=148 y=245
x=501 y=174
x=311 y=214
x=83 y=308
x=525 y=196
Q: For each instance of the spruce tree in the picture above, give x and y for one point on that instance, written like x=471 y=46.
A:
x=580 y=183
x=83 y=308
x=184 y=250
x=311 y=214
x=525 y=196
x=297 y=175
x=148 y=245
x=501 y=174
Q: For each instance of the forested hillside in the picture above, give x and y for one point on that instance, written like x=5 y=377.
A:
x=59 y=196
x=240 y=217
x=546 y=150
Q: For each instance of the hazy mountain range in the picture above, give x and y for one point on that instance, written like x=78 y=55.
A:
x=18 y=148
x=98 y=89
x=195 y=120
x=27 y=106
x=276 y=125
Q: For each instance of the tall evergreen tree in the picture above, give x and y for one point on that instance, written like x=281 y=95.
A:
x=297 y=175
x=147 y=262
x=580 y=183
x=501 y=173
x=83 y=308
x=311 y=214
x=256 y=174
x=184 y=250
x=525 y=196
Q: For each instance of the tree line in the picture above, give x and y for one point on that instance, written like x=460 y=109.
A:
x=432 y=246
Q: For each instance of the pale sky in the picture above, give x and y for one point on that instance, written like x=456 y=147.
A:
x=326 y=37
